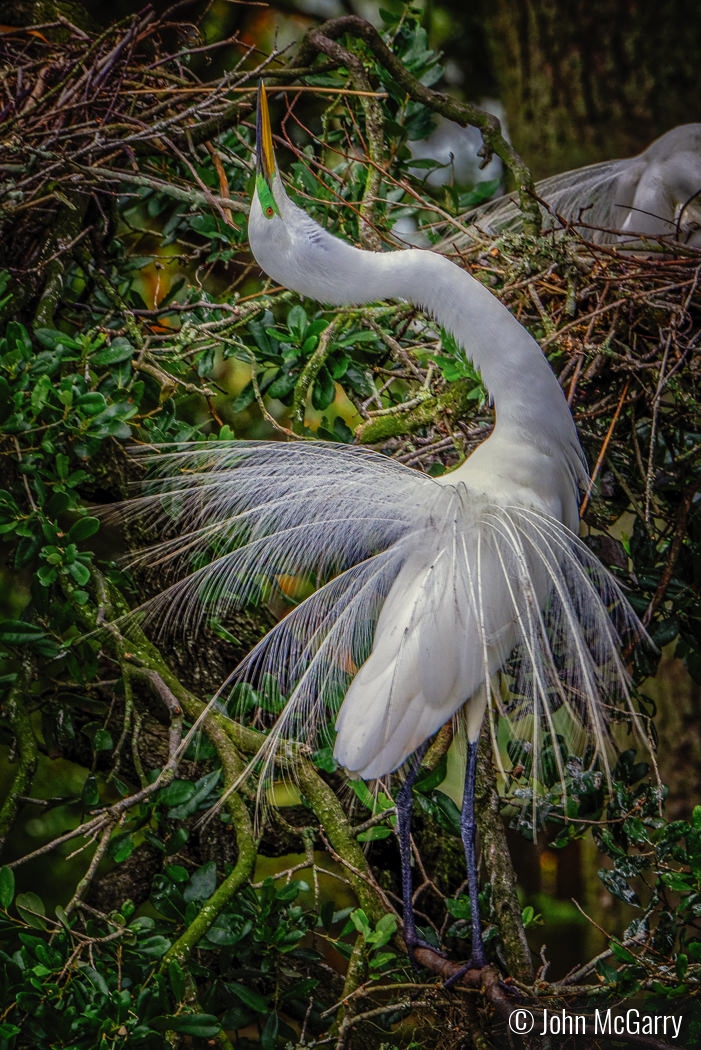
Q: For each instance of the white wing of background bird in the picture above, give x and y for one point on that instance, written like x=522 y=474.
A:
x=656 y=193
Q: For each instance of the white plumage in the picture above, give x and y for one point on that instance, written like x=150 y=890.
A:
x=426 y=587
x=655 y=194
x=431 y=586
x=427 y=584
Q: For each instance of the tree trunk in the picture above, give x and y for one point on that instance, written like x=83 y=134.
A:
x=588 y=80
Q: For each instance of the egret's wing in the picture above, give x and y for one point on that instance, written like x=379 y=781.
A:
x=243 y=514
x=489 y=587
x=587 y=195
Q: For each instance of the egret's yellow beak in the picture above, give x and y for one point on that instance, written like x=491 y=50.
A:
x=265 y=157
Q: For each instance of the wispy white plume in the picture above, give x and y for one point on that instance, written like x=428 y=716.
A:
x=484 y=586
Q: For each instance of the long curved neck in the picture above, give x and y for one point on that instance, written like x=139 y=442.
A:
x=521 y=383
x=512 y=365
x=529 y=403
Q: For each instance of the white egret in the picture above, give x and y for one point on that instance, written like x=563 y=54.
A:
x=655 y=194
x=427 y=586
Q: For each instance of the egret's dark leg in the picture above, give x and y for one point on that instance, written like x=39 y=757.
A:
x=468 y=829
x=404 y=809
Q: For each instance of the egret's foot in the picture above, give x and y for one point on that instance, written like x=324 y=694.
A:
x=414 y=942
x=477 y=961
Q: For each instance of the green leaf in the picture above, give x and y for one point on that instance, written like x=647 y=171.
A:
x=341 y=430
x=203 y=788
x=363 y=793
x=102 y=741
x=442 y=809
x=430 y=780
x=31 y=908
x=201 y=1026
x=80 y=572
x=459 y=907
x=609 y=973
x=5 y=400
x=92 y=403
x=19 y=632
x=177 y=792
x=359 y=381
x=678 y=881
x=374 y=834
x=52 y=338
x=120 y=349
x=287 y=893
x=63 y=917
x=40 y=393
x=252 y=999
x=268 y=1037
x=178 y=982
x=618 y=950
x=323 y=759
x=246 y=397
x=324 y=390
x=361 y=922
x=90 y=794
x=297 y=321
x=617 y=884
x=155 y=946
x=62 y=464
x=282 y=385
x=379 y=961
x=83 y=528
x=202 y=884
x=122 y=848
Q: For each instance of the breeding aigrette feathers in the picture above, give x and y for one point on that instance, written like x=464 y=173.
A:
x=444 y=582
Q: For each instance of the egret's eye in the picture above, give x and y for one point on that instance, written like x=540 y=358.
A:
x=270 y=211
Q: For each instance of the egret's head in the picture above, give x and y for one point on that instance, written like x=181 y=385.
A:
x=272 y=219
x=287 y=243
x=266 y=168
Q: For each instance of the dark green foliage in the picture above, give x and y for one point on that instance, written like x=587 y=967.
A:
x=160 y=329
x=91 y=980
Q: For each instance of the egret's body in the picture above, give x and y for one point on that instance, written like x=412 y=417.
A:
x=655 y=194
x=432 y=583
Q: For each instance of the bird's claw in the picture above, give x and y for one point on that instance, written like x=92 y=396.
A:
x=413 y=943
x=477 y=961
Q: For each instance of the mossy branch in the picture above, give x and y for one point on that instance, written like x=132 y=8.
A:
x=231 y=740
x=497 y=859
x=26 y=748
x=454 y=401
x=374 y=127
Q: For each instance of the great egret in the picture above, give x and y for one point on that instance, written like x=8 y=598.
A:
x=428 y=586
x=655 y=194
